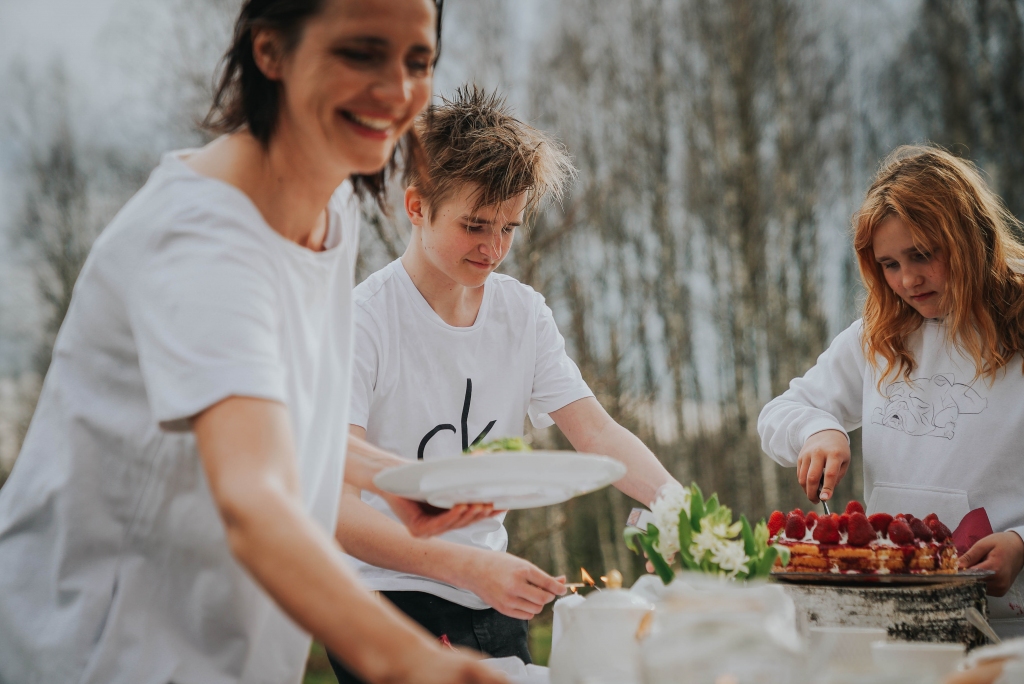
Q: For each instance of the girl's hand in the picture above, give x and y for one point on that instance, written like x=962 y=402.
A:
x=827 y=451
x=511 y=585
x=1002 y=552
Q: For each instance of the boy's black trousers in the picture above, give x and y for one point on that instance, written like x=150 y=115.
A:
x=487 y=631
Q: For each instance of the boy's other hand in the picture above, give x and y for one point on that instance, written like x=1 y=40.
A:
x=1002 y=552
x=512 y=586
x=825 y=452
x=424 y=520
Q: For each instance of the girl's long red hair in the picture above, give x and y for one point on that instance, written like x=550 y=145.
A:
x=951 y=212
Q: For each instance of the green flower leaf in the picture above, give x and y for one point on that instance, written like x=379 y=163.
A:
x=749 y=545
x=685 y=537
x=764 y=566
x=696 y=508
x=630 y=535
x=661 y=567
x=761 y=534
x=711 y=505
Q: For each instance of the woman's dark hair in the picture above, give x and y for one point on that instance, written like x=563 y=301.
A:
x=244 y=97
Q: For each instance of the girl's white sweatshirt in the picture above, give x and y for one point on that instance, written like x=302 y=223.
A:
x=946 y=442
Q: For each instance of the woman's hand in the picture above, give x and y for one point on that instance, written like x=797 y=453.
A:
x=511 y=585
x=1002 y=552
x=424 y=520
x=827 y=451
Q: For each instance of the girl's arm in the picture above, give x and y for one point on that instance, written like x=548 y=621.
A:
x=245 y=446
x=825 y=403
x=590 y=429
x=510 y=585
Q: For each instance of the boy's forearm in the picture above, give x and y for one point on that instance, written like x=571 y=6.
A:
x=646 y=475
x=374 y=538
x=590 y=429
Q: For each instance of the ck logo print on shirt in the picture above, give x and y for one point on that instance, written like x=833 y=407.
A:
x=466 y=444
x=928 y=406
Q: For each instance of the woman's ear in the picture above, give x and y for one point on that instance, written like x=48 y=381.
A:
x=267 y=52
x=415 y=206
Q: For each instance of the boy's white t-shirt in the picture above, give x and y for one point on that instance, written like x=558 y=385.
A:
x=946 y=443
x=114 y=566
x=422 y=387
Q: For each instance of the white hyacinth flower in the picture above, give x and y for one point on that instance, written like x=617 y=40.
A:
x=731 y=557
x=666 y=511
x=707 y=539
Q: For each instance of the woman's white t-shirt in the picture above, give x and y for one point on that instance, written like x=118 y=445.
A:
x=114 y=565
x=426 y=389
x=946 y=442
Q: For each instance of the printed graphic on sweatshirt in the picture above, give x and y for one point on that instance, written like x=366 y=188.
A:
x=928 y=406
x=466 y=444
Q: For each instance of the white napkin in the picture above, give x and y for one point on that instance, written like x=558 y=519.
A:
x=518 y=672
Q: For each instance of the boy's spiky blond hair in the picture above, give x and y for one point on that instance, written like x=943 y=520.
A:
x=473 y=139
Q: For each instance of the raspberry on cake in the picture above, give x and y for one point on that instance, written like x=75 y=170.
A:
x=853 y=543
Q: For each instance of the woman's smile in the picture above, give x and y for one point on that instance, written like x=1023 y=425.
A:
x=375 y=127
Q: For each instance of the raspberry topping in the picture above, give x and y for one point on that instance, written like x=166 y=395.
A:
x=880 y=521
x=811 y=518
x=854 y=507
x=861 y=532
x=844 y=522
x=920 y=530
x=899 y=531
x=826 y=531
x=776 y=522
x=797 y=511
x=928 y=518
x=795 y=527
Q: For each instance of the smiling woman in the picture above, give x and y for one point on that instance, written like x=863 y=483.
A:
x=170 y=515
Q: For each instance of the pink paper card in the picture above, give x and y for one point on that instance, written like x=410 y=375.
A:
x=973 y=527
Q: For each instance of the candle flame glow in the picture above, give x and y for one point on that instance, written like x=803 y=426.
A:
x=587 y=579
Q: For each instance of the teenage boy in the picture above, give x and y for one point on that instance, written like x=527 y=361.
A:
x=448 y=353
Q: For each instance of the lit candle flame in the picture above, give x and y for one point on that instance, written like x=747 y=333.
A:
x=587 y=579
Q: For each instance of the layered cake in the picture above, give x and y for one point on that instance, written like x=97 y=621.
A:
x=855 y=543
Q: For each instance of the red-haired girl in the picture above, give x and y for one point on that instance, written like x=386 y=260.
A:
x=933 y=372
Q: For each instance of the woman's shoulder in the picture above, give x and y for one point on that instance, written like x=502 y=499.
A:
x=176 y=211
x=179 y=201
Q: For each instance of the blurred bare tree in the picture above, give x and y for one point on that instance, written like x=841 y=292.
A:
x=961 y=84
x=57 y=223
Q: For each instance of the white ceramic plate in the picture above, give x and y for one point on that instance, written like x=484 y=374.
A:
x=509 y=480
